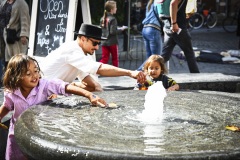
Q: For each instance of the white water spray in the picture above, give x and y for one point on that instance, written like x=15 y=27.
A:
x=154 y=97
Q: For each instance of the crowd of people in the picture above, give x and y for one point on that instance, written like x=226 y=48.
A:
x=175 y=32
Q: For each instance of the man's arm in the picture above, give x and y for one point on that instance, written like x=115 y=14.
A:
x=89 y=84
x=112 y=71
x=173 y=14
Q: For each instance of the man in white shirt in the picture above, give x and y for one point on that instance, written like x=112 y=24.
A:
x=71 y=60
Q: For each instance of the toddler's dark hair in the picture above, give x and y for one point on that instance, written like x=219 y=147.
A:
x=16 y=68
x=156 y=58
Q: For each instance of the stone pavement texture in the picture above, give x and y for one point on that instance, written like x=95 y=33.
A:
x=215 y=40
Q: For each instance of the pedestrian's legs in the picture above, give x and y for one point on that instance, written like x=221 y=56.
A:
x=142 y=65
x=146 y=41
x=183 y=39
x=153 y=42
x=147 y=46
x=105 y=54
x=114 y=52
x=168 y=46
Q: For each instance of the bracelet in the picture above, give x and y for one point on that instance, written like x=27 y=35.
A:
x=174 y=23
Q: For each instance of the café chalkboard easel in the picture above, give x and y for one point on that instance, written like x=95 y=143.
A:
x=52 y=23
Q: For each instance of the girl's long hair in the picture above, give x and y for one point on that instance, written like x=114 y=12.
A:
x=16 y=68
x=108 y=6
x=150 y=4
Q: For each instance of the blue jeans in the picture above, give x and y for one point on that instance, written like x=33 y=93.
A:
x=184 y=41
x=153 y=42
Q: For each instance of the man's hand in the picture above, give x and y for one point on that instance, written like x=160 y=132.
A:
x=139 y=75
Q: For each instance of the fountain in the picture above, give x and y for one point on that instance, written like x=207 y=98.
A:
x=192 y=127
x=153 y=105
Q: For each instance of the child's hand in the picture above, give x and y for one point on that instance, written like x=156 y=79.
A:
x=53 y=96
x=139 y=75
x=95 y=100
x=173 y=88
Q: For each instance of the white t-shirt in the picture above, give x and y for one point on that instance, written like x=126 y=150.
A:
x=68 y=62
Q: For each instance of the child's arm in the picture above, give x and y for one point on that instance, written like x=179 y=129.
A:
x=3 y=112
x=95 y=100
x=175 y=87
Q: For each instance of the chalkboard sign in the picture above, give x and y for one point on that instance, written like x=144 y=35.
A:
x=51 y=26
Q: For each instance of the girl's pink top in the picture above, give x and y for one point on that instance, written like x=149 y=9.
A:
x=17 y=103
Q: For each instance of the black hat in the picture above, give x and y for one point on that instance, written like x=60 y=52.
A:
x=91 y=31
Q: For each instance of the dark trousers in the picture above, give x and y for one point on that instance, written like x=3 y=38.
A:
x=183 y=40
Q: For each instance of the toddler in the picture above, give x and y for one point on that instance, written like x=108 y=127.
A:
x=155 y=71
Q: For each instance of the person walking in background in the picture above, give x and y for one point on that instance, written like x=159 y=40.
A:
x=24 y=88
x=14 y=15
x=109 y=26
x=72 y=59
x=151 y=31
x=172 y=36
x=155 y=69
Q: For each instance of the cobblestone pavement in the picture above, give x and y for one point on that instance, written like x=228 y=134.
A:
x=215 y=40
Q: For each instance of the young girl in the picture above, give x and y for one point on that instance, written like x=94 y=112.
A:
x=109 y=27
x=156 y=70
x=24 y=88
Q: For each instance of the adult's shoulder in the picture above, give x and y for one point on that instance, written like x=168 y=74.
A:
x=66 y=47
x=21 y=3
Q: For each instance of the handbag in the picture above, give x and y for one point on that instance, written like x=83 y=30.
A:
x=11 y=36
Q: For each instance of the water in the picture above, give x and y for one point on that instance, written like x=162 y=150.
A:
x=153 y=112
x=192 y=125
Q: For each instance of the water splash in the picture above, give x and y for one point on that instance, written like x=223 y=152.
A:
x=154 y=97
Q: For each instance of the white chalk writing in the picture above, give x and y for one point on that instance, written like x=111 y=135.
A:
x=52 y=23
